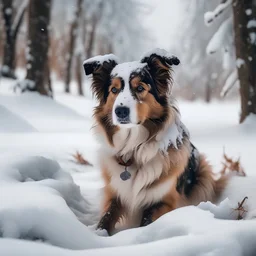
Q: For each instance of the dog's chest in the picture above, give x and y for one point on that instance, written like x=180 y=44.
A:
x=140 y=190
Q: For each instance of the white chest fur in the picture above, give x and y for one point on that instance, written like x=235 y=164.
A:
x=136 y=193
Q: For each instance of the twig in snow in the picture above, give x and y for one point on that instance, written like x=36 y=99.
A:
x=78 y=157
x=240 y=208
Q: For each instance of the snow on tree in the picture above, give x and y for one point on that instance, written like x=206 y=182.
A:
x=12 y=25
x=199 y=74
x=236 y=38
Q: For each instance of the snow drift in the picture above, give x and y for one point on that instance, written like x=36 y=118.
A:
x=40 y=203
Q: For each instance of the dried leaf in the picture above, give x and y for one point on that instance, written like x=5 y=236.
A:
x=78 y=157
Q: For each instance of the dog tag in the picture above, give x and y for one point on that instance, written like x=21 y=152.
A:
x=125 y=175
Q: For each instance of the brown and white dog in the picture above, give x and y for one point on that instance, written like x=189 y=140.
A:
x=148 y=163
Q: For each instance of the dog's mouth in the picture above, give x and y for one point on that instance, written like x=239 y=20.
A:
x=123 y=121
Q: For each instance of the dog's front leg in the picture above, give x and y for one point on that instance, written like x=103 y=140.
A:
x=154 y=212
x=112 y=213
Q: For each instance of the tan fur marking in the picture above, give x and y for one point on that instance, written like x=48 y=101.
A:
x=148 y=107
x=161 y=211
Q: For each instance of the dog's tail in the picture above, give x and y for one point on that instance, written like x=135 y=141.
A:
x=207 y=187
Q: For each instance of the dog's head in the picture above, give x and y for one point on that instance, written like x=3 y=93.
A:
x=132 y=93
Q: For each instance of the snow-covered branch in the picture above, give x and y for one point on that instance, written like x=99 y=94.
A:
x=19 y=17
x=209 y=17
x=231 y=81
x=219 y=39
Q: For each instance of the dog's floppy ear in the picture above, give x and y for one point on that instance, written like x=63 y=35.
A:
x=160 y=64
x=100 y=68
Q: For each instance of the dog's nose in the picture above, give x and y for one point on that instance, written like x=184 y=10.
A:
x=122 y=112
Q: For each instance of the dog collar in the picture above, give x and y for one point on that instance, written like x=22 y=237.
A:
x=125 y=175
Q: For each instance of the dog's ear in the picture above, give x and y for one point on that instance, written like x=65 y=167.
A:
x=100 y=68
x=160 y=66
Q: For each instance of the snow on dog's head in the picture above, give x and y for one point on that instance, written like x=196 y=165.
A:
x=132 y=93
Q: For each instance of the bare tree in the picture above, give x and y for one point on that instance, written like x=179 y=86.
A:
x=12 y=26
x=94 y=24
x=71 y=44
x=37 y=78
x=245 y=44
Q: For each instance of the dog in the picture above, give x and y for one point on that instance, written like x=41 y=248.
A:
x=148 y=163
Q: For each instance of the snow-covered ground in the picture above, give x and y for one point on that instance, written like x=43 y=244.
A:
x=49 y=204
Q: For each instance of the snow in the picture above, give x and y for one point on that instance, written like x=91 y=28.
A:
x=124 y=70
x=248 y=12
x=210 y=16
x=230 y=82
x=251 y=24
x=11 y=122
x=220 y=38
x=8 y=11
x=20 y=12
x=49 y=205
x=159 y=52
x=239 y=62
x=253 y=37
x=101 y=58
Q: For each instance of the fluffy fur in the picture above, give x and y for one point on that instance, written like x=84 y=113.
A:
x=167 y=171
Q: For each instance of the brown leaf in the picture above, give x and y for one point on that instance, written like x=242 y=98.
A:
x=230 y=165
x=78 y=157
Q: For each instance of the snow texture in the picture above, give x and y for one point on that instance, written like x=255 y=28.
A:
x=101 y=58
x=209 y=17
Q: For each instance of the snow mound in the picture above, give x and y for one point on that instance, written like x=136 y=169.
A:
x=40 y=202
x=186 y=231
x=11 y=122
x=44 y=113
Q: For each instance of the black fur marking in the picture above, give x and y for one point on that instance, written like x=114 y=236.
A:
x=173 y=60
x=106 y=89
x=148 y=214
x=188 y=178
x=89 y=68
x=109 y=217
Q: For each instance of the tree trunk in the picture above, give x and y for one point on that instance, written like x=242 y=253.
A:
x=9 y=47
x=79 y=75
x=72 y=39
x=92 y=34
x=11 y=32
x=208 y=91
x=38 y=44
x=245 y=43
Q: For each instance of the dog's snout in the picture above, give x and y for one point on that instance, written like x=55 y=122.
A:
x=122 y=112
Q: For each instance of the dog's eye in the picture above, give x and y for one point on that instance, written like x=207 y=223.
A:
x=114 y=90
x=140 y=88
